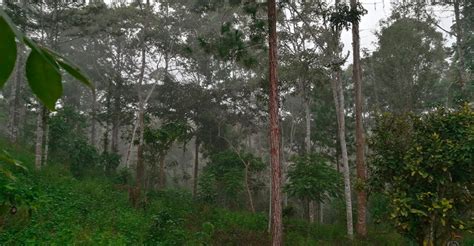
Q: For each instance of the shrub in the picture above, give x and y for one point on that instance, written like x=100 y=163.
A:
x=424 y=166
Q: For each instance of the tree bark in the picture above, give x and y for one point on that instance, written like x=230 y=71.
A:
x=14 y=119
x=459 y=50
x=93 y=119
x=276 y=209
x=162 y=171
x=45 y=127
x=338 y=96
x=196 y=166
x=360 y=141
x=247 y=187
x=140 y=171
x=39 y=138
x=115 y=124
x=135 y=194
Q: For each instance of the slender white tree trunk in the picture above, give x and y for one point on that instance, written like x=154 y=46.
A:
x=338 y=95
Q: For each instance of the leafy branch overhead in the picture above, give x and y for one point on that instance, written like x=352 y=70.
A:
x=43 y=66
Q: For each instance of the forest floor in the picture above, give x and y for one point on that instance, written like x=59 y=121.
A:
x=96 y=211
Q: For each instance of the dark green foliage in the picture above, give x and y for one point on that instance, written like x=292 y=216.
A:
x=404 y=73
x=311 y=178
x=223 y=179
x=68 y=144
x=95 y=211
x=167 y=229
x=109 y=162
x=424 y=165
x=343 y=15
x=8 y=51
x=44 y=78
x=16 y=192
x=161 y=139
x=42 y=66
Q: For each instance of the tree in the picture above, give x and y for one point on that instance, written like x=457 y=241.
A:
x=423 y=165
x=42 y=65
x=405 y=73
x=160 y=141
x=276 y=218
x=312 y=179
x=228 y=177
x=360 y=139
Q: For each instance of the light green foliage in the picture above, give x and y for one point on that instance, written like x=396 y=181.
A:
x=424 y=165
x=223 y=179
x=42 y=66
x=311 y=178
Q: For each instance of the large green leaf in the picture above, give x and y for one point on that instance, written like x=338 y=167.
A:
x=7 y=51
x=71 y=68
x=44 y=77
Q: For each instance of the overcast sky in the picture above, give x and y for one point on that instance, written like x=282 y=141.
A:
x=381 y=9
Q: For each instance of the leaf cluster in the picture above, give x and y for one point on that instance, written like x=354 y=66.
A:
x=423 y=164
x=43 y=66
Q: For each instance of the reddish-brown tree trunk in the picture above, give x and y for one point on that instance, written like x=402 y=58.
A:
x=276 y=217
x=361 y=226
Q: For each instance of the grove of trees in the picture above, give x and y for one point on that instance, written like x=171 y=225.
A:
x=245 y=106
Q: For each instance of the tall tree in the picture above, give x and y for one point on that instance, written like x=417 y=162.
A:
x=338 y=95
x=360 y=141
x=276 y=209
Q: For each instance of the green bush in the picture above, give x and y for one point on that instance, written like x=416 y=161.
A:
x=424 y=167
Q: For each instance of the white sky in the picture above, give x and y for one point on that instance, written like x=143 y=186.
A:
x=381 y=9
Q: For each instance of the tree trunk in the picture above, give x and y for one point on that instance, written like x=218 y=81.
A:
x=140 y=171
x=93 y=119
x=247 y=187
x=459 y=50
x=45 y=127
x=108 y=103
x=338 y=95
x=132 y=141
x=307 y=139
x=115 y=125
x=196 y=166
x=276 y=217
x=14 y=119
x=140 y=168
x=360 y=142
x=311 y=208
x=162 y=171
x=39 y=138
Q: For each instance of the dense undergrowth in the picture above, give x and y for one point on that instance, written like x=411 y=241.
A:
x=95 y=210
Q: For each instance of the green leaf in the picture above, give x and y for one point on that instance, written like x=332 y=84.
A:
x=8 y=51
x=44 y=78
x=74 y=71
